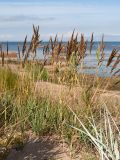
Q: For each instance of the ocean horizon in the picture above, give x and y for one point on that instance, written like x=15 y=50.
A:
x=90 y=60
x=13 y=45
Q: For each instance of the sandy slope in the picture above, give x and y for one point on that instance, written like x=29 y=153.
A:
x=46 y=148
x=73 y=96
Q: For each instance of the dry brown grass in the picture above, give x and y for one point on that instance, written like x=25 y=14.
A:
x=73 y=96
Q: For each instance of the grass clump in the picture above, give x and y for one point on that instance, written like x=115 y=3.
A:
x=8 y=79
x=26 y=111
x=37 y=72
x=104 y=135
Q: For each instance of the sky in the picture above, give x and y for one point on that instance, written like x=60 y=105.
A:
x=59 y=17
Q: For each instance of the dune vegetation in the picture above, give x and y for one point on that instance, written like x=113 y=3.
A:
x=50 y=97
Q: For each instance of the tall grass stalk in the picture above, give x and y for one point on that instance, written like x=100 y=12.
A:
x=104 y=136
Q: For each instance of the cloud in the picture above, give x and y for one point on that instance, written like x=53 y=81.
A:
x=65 y=35
x=58 y=17
x=19 y=18
x=6 y=37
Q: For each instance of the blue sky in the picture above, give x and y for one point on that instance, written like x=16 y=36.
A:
x=54 y=16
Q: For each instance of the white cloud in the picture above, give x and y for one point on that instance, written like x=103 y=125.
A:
x=6 y=37
x=19 y=18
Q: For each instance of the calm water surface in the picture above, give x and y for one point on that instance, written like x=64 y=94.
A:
x=90 y=60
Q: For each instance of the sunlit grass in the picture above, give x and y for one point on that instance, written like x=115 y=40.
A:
x=25 y=107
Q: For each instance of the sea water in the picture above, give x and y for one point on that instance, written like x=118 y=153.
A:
x=90 y=61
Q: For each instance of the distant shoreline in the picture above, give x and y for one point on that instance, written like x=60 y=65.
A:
x=63 y=41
